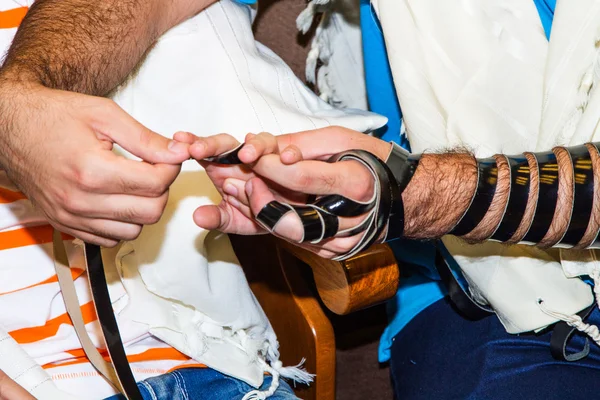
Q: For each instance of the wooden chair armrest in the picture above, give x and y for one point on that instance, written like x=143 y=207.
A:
x=369 y=278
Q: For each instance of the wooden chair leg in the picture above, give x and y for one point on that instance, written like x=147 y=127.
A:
x=281 y=285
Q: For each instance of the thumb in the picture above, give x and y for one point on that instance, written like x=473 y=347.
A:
x=122 y=129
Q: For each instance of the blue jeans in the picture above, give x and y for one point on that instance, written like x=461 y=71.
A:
x=440 y=355
x=201 y=384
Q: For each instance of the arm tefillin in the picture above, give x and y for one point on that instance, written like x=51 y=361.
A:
x=384 y=213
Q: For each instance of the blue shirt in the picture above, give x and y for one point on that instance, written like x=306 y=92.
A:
x=419 y=284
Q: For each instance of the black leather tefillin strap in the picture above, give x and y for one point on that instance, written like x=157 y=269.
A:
x=562 y=333
x=108 y=321
x=487 y=170
x=547 y=166
x=517 y=200
x=384 y=213
x=320 y=219
x=583 y=195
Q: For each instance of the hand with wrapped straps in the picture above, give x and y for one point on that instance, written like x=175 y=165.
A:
x=546 y=199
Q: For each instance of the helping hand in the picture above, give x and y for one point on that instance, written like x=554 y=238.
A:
x=286 y=168
x=56 y=147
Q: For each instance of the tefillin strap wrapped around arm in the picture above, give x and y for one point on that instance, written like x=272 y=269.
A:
x=546 y=199
x=517 y=200
x=583 y=195
x=487 y=170
x=384 y=213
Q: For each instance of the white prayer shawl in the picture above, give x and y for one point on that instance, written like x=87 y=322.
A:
x=482 y=74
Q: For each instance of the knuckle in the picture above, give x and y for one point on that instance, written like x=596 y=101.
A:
x=303 y=181
x=158 y=187
x=108 y=243
x=71 y=203
x=108 y=106
x=157 y=211
x=329 y=181
x=145 y=135
x=364 y=188
x=133 y=233
x=59 y=217
x=127 y=214
x=86 y=178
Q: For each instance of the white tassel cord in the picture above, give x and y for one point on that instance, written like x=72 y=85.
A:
x=277 y=370
x=574 y=321
x=320 y=49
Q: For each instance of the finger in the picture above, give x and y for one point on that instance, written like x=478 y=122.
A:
x=117 y=175
x=104 y=228
x=289 y=227
x=225 y=219
x=123 y=208
x=347 y=178
x=291 y=155
x=185 y=137
x=338 y=245
x=85 y=236
x=10 y=390
x=212 y=146
x=236 y=189
x=256 y=146
x=324 y=142
x=242 y=208
x=121 y=128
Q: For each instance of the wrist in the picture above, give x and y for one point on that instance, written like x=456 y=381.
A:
x=15 y=104
x=439 y=194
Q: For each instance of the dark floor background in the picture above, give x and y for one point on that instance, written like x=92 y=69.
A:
x=359 y=375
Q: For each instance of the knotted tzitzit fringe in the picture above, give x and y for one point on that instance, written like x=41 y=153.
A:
x=595 y=275
x=589 y=80
x=277 y=370
x=320 y=49
x=574 y=321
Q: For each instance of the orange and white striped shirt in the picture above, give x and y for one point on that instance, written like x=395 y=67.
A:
x=31 y=306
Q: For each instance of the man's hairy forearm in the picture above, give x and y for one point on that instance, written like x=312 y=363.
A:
x=90 y=46
x=438 y=181
x=443 y=186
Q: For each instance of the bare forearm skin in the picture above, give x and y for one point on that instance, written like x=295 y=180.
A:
x=438 y=181
x=89 y=46
x=441 y=190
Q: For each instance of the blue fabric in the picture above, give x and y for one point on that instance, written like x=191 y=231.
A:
x=202 y=383
x=486 y=362
x=421 y=288
x=546 y=10
x=381 y=93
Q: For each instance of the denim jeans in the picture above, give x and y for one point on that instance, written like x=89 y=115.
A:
x=203 y=384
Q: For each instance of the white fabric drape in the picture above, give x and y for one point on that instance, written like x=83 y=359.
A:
x=481 y=74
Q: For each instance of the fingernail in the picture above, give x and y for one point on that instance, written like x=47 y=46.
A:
x=229 y=188
x=289 y=153
x=250 y=150
x=249 y=188
x=177 y=147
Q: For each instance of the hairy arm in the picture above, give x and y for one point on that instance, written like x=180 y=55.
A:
x=552 y=199
x=442 y=187
x=56 y=144
x=90 y=46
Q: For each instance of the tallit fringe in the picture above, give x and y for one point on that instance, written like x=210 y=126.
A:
x=320 y=49
x=277 y=371
x=574 y=321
